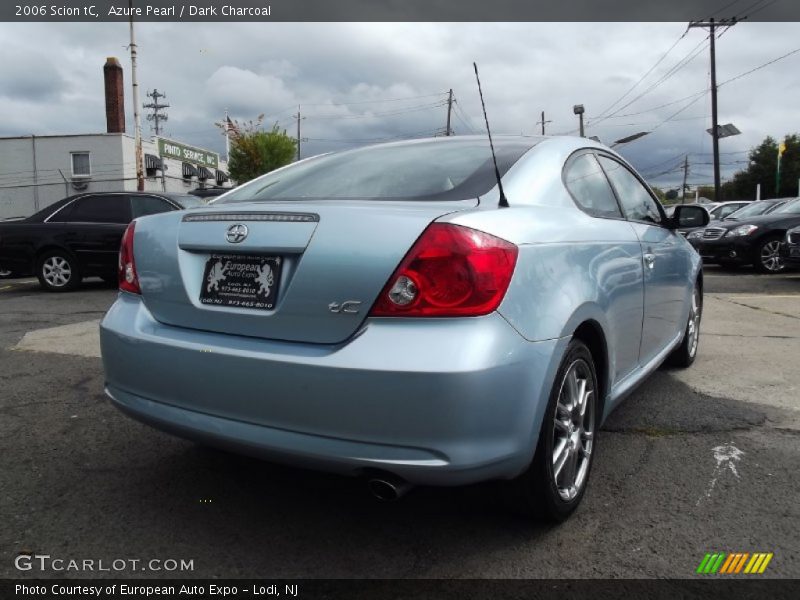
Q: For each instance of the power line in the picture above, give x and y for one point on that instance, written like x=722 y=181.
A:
x=462 y=116
x=705 y=91
x=748 y=12
x=758 y=68
x=382 y=114
x=654 y=108
x=727 y=6
x=423 y=133
x=643 y=77
x=693 y=53
x=333 y=104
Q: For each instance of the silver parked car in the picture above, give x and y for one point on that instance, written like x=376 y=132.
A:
x=382 y=313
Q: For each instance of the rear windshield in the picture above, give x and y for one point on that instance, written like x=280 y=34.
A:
x=434 y=170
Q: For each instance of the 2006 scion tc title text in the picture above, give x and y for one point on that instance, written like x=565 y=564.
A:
x=148 y=11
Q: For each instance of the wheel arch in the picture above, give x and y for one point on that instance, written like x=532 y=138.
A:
x=49 y=247
x=591 y=333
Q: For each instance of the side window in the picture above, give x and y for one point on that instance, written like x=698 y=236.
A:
x=589 y=187
x=101 y=209
x=636 y=200
x=62 y=214
x=149 y=205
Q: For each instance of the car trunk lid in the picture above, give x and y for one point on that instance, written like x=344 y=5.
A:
x=322 y=264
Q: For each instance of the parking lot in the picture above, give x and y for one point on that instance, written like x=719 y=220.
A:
x=693 y=462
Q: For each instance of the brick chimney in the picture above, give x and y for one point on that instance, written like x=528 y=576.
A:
x=115 y=96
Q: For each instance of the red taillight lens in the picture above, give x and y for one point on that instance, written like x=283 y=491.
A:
x=128 y=279
x=451 y=271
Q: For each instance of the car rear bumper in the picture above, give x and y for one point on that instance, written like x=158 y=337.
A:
x=435 y=401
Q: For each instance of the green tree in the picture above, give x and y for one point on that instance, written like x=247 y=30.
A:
x=705 y=191
x=254 y=152
x=762 y=170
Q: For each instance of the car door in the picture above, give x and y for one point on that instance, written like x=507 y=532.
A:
x=94 y=230
x=665 y=260
x=617 y=263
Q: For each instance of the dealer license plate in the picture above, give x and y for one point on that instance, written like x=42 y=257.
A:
x=241 y=281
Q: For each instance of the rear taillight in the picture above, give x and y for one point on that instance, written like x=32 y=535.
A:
x=128 y=278
x=451 y=271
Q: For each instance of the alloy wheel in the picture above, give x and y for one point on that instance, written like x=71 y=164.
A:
x=57 y=271
x=573 y=430
x=771 y=257
x=693 y=330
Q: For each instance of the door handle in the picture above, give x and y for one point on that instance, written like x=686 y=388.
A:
x=650 y=260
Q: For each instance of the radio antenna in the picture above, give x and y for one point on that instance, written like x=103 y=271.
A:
x=503 y=201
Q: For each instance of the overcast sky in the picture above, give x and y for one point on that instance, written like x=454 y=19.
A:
x=51 y=81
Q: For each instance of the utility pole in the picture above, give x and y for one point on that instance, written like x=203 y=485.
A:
x=299 y=139
x=155 y=116
x=447 y=130
x=685 y=176
x=542 y=123
x=712 y=25
x=137 y=120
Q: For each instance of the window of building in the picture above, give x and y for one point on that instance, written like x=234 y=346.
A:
x=589 y=187
x=637 y=203
x=81 y=166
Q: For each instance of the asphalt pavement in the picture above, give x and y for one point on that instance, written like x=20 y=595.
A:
x=693 y=462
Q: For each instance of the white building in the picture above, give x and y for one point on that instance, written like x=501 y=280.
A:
x=36 y=171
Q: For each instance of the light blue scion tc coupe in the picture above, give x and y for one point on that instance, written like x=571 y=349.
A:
x=392 y=312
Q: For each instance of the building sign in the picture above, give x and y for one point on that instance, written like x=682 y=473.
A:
x=182 y=152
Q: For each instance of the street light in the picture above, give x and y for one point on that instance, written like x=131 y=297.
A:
x=630 y=138
x=579 y=110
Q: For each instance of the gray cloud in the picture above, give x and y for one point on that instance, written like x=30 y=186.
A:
x=333 y=70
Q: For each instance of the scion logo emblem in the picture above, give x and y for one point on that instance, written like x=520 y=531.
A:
x=348 y=306
x=236 y=233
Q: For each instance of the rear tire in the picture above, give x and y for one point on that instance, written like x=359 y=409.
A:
x=556 y=480
x=767 y=257
x=58 y=271
x=683 y=356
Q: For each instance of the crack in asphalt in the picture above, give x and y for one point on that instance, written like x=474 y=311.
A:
x=771 y=337
x=766 y=310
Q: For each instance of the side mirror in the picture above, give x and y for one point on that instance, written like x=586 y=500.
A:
x=689 y=216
